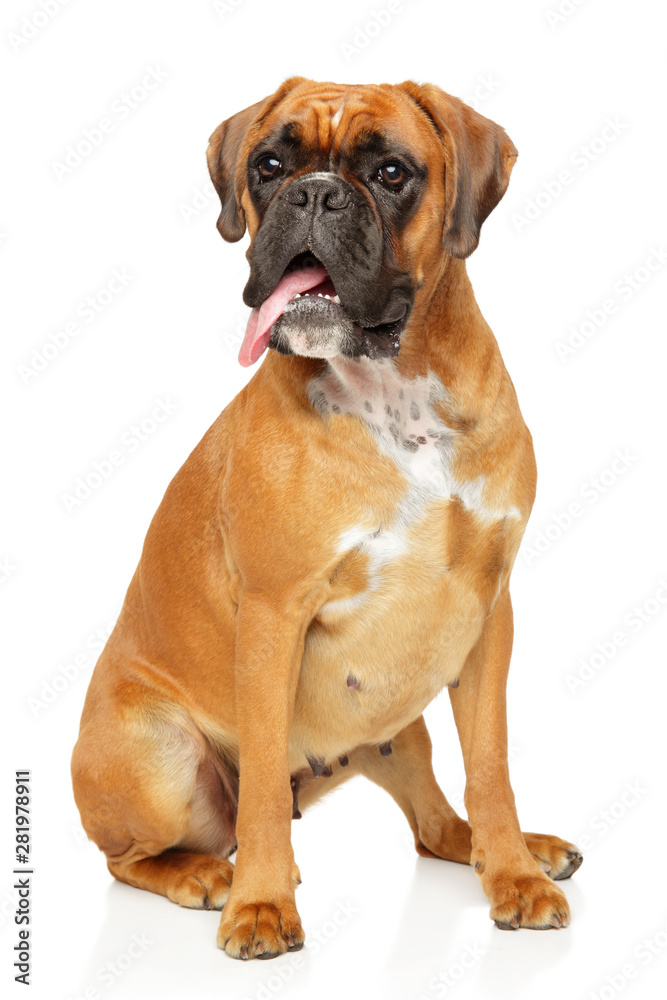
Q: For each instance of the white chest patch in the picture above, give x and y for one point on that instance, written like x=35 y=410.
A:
x=400 y=414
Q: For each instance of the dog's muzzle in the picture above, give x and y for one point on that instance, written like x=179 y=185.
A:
x=319 y=283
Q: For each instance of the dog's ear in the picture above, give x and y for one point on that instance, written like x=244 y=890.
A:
x=479 y=156
x=226 y=162
x=222 y=157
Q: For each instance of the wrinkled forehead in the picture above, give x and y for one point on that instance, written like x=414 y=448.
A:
x=339 y=121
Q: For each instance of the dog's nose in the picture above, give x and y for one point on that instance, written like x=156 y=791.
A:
x=318 y=193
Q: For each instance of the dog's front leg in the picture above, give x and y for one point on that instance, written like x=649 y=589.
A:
x=260 y=919
x=521 y=894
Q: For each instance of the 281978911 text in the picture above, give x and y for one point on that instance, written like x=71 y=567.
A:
x=22 y=915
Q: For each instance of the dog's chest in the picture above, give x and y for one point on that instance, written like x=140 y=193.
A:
x=399 y=413
x=401 y=617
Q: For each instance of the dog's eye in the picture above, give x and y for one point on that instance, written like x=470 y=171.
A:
x=392 y=175
x=269 y=166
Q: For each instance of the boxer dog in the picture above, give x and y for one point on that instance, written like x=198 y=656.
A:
x=338 y=547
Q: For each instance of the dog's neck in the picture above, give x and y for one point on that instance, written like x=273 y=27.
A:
x=446 y=337
x=446 y=326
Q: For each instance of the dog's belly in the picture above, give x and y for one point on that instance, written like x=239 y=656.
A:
x=373 y=661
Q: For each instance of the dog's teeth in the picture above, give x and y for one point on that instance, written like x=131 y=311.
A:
x=319 y=295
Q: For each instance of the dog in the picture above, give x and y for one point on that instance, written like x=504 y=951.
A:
x=338 y=547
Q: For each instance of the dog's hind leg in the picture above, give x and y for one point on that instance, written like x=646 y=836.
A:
x=439 y=832
x=408 y=776
x=159 y=801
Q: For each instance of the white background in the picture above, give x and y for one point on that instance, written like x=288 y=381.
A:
x=587 y=759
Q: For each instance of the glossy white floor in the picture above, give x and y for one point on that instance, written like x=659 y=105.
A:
x=381 y=922
x=568 y=274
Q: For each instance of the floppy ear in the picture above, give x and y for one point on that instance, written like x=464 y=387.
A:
x=222 y=157
x=226 y=163
x=479 y=156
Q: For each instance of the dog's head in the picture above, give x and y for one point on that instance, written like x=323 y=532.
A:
x=352 y=196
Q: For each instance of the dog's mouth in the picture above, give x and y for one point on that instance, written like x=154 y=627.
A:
x=307 y=298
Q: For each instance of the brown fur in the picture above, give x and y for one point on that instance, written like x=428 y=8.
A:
x=224 y=674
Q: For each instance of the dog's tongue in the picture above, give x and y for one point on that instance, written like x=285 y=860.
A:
x=258 y=330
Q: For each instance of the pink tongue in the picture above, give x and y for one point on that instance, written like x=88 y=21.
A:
x=258 y=330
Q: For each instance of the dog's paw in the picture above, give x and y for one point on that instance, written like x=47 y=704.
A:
x=260 y=930
x=526 y=899
x=203 y=884
x=558 y=858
